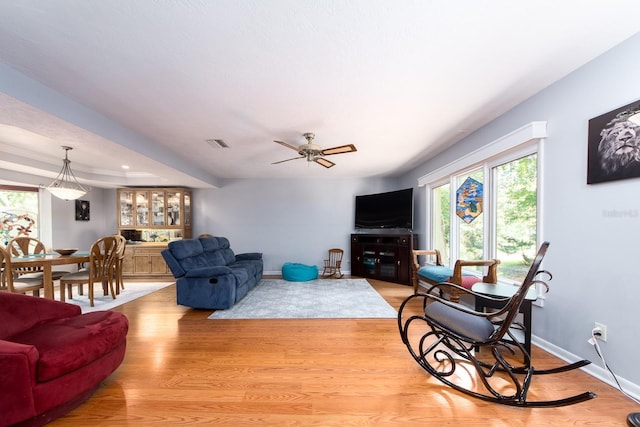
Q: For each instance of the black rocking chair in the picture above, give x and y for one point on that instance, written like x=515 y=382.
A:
x=456 y=336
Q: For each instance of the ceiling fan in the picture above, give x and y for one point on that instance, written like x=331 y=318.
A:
x=314 y=153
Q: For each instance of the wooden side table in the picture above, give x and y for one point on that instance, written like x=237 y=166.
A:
x=498 y=290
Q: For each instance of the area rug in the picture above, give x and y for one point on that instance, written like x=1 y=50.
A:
x=315 y=299
x=132 y=291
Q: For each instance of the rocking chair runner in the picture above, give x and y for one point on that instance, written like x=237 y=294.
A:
x=332 y=265
x=448 y=335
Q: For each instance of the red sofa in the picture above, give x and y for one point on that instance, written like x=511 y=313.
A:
x=52 y=357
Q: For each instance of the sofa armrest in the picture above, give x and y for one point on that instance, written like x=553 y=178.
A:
x=249 y=256
x=172 y=263
x=214 y=271
x=17 y=379
x=20 y=312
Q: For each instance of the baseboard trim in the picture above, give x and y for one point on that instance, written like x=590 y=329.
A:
x=279 y=272
x=595 y=369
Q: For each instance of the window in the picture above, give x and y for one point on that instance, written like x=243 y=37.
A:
x=511 y=205
x=19 y=211
x=441 y=223
x=516 y=215
x=486 y=205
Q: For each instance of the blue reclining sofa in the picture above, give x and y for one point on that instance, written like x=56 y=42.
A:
x=208 y=274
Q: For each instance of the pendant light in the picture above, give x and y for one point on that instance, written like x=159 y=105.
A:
x=66 y=186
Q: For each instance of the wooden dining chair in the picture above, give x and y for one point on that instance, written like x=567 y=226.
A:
x=102 y=258
x=17 y=284
x=117 y=269
x=23 y=246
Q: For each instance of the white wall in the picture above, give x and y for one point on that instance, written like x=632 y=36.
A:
x=592 y=254
x=69 y=233
x=286 y=220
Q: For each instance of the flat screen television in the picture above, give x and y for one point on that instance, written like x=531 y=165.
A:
x=393 y=209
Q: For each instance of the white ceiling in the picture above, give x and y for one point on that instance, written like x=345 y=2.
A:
x=401 y=80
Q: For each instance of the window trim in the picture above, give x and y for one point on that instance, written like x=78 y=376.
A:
x=18 y=188
x=530 y=133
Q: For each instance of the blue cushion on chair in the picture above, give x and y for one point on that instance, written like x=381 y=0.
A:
x=436 y=273
x=439 y=274
x=296 y=272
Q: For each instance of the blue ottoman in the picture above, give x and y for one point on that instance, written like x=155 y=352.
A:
x=296 y=272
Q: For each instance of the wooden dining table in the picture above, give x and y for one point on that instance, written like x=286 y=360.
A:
x=46 y=262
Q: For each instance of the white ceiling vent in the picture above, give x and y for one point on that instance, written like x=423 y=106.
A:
x=217 y=143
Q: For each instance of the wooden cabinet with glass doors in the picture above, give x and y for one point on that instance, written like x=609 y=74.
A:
x=158 y=214
x=149 y=218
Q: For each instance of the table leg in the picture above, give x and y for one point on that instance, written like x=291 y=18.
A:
x=47 y=281
x=525 y=309
x=482 y=304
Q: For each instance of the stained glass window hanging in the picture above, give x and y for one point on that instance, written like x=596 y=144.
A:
x=469 y=198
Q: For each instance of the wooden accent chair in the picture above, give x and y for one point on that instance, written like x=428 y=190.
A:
x=444 y=336
x=17 y=284
x=332 y=265
x=102 y=258
x=22 y=246
x=435 y=272
x=117 y=268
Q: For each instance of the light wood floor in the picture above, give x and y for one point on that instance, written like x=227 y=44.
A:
x=182 y=369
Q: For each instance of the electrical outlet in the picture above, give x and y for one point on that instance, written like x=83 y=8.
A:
x=603 y=331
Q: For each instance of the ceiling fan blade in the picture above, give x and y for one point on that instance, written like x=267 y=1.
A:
x=294 y=158
x=324 y=162
x=349 y=148
x=287 y=145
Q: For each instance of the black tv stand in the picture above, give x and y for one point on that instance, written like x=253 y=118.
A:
x=383 y=255
x=383 y=231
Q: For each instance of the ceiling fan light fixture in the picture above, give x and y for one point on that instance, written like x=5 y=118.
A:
x=66 y=186
x=217 y=143
x=313 y=152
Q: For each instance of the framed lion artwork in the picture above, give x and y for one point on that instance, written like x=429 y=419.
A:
x=614 y=145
